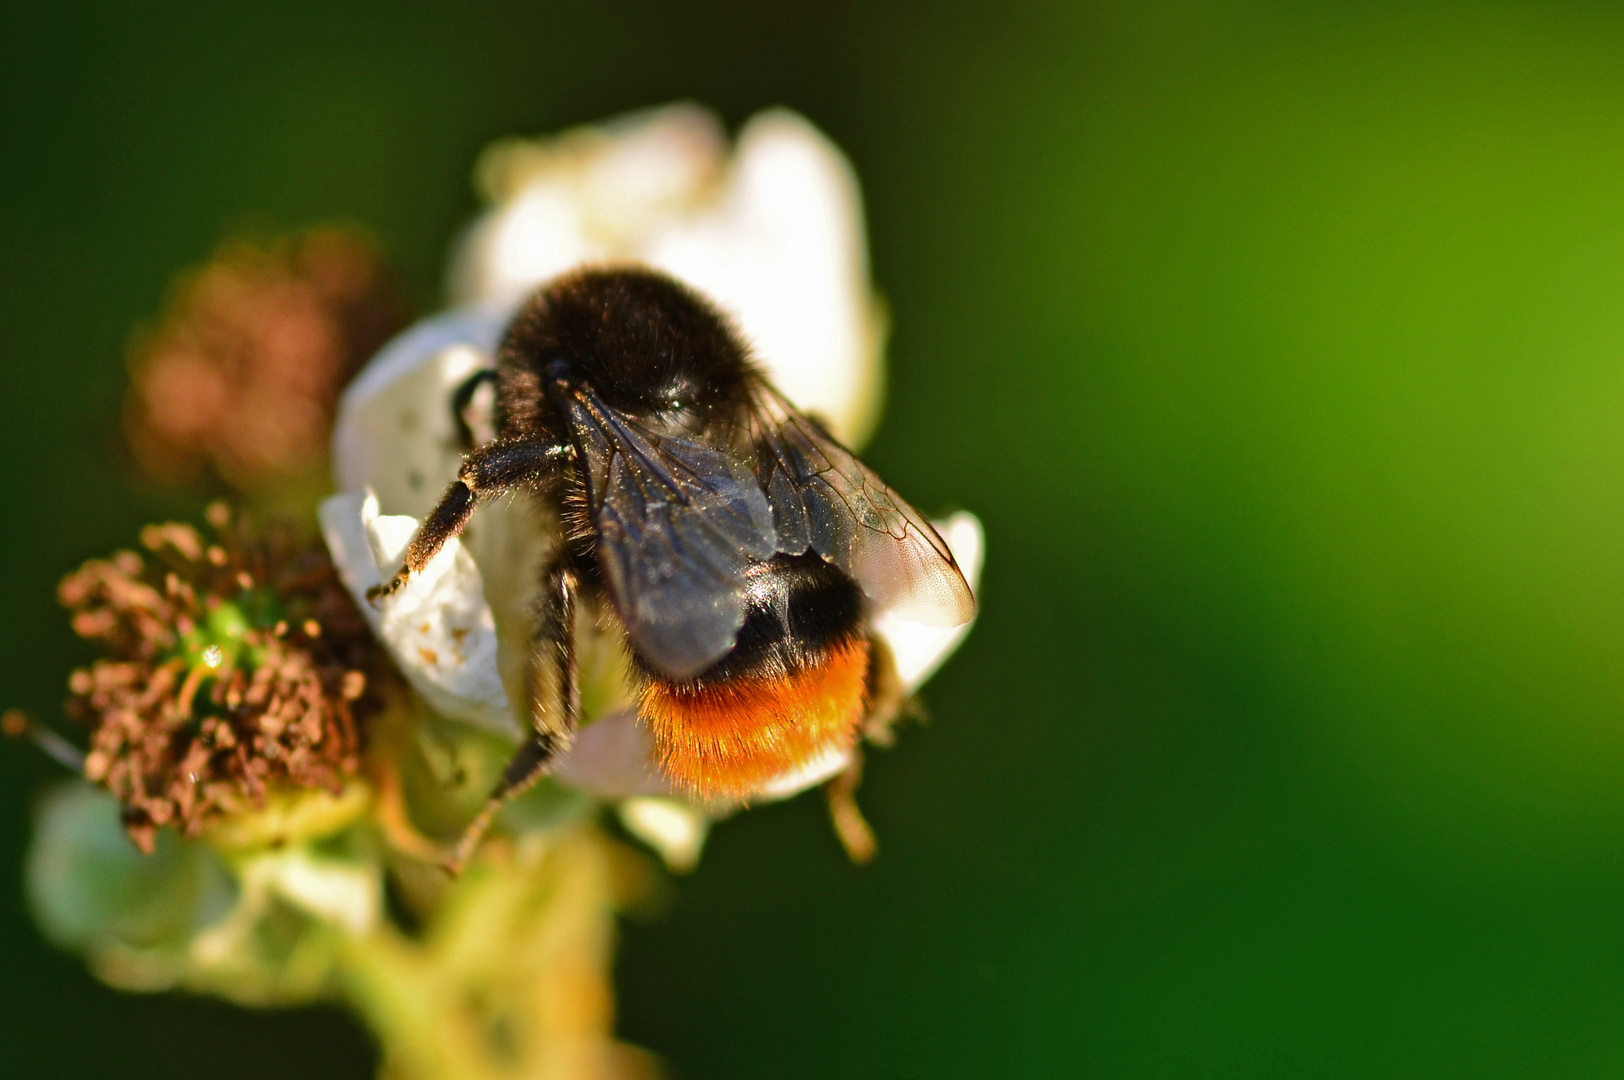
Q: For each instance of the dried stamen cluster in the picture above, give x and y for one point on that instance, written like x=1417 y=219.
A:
x=234 y=666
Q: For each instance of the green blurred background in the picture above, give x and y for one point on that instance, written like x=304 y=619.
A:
x=1281 y=350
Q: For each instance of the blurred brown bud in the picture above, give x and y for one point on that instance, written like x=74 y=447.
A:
x=241 y=375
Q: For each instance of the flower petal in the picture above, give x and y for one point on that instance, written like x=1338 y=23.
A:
x=673 y=828
x=394 y=433
x=591 y=194
x=438 y=627
x=613 y=758
x=918 y=649
x=347 y=893
x=831 y=762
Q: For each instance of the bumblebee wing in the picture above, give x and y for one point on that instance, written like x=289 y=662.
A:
x=678 y=523
x=824 y=500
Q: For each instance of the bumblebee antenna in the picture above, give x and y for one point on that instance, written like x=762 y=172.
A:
x=16 y=724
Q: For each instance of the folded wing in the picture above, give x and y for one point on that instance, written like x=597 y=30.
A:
x=823 y=499
x=678 y=524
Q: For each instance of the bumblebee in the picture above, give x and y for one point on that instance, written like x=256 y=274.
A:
x=739 y=546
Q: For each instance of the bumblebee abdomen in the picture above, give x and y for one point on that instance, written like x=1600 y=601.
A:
x=793 y=688
x=731 y=737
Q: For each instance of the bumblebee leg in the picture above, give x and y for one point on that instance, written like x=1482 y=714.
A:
x=552 y=662
x=490 y=470
x=850 y=826
x=888 y=699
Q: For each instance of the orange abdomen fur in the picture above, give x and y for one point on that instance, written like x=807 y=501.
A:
x=729 y=738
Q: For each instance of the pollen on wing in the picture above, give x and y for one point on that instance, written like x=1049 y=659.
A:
x=730 y=738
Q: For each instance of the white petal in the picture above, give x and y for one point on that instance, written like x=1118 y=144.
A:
x=831 y=762
x=394 y=432
x=675 y=829
x=649 y=166
x=438 y=627
x=613 y=758
x=919 y=650
x=348 y=894
x=537 y=236
x=589 y=195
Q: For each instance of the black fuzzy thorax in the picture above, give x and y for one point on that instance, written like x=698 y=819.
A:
x=648 y=346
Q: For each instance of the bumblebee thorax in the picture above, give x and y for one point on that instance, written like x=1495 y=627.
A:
x=644 y=342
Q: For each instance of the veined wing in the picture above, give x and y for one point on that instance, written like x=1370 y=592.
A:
x=678 y=523
x=824 y=500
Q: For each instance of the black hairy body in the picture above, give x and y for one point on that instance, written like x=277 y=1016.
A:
x=650 y=348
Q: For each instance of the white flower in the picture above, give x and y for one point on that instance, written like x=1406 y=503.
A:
x=773 y=234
